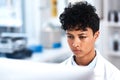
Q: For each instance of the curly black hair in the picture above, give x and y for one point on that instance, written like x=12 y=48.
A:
x=79 y=16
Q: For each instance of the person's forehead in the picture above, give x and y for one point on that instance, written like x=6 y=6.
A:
x=79 y=30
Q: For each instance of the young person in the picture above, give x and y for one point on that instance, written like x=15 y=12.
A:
x=81 y=24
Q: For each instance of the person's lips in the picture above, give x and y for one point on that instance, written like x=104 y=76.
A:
x=76 y=51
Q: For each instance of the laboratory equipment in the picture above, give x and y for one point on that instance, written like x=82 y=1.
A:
x=51 y=35
x=14 y=45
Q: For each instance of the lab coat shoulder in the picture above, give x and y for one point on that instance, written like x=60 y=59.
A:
x=106 y=70
x=103 y=70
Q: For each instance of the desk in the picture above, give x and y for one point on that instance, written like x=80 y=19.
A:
x=52 y=55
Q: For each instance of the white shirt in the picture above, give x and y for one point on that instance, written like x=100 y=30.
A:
x=103 y=70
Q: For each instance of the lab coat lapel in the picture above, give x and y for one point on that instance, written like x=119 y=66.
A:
x=99 y=70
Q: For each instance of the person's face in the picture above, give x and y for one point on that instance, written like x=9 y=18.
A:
x=81 y=42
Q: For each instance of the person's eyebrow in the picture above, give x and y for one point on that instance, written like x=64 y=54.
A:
x=68 y=33
x=83 y=33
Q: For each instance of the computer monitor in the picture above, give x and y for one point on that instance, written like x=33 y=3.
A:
x=13 y=69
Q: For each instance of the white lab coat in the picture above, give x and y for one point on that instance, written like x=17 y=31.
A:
x=103 y=69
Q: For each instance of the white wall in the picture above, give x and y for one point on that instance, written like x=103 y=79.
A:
x=32 y=20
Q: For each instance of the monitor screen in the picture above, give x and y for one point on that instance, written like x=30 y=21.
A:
x=13 y=69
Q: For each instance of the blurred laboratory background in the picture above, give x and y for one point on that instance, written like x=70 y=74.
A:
x=30 y=30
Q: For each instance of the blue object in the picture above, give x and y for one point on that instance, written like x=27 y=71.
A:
x=57 y=45
x=36 y=48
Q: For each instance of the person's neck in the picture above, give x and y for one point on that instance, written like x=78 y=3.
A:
x=86 y=60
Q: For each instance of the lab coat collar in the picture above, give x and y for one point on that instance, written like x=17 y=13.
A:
x=99 y=70
x=70 y=61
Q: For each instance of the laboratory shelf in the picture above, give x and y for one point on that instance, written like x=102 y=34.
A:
x=52 y=54
x=114 y=53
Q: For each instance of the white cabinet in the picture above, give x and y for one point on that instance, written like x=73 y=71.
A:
x=11 y=13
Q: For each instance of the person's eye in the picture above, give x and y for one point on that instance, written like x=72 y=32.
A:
x=70 y=37
x=82 y=37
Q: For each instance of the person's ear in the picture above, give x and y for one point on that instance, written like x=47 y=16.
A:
x=96 y=35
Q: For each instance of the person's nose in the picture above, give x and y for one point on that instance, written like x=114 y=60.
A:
x=76 y=42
